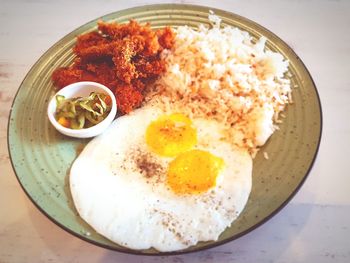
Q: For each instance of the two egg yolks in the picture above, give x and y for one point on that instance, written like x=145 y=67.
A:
x=191 y=171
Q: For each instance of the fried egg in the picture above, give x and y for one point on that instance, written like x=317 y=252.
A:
x=163 y=181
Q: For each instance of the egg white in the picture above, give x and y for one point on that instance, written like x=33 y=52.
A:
x=138 y=210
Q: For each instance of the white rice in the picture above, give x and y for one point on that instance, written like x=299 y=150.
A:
x=221 y=73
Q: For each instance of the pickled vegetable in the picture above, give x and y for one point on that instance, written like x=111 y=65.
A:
x=82 y=112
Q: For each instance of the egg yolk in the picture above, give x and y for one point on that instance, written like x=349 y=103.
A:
x=193 y=172
x=170 y=135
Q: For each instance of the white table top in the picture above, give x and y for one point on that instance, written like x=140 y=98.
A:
x=313 y=227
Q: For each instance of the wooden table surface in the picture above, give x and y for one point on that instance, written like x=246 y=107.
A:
x=313 y=227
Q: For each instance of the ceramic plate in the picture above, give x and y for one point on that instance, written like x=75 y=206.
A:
x=42 y=157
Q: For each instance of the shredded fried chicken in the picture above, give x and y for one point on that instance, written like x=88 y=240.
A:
x=124 y=57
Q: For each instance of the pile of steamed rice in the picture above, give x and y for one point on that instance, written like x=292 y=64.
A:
x=222 y=74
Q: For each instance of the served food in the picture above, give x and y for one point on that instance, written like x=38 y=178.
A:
x=178 y=170
x=226 y=75
x=125 y=58
x=131 y=191
x=82 y=109
x=82 y=112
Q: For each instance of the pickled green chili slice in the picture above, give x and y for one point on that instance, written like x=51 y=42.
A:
x=82 y=112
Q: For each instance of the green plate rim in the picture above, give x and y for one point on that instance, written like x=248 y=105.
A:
x=216 y=243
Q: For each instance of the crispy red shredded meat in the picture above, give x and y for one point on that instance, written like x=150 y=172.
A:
x=124 y=57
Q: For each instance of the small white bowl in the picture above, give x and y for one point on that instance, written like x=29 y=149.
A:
x=82 y=89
